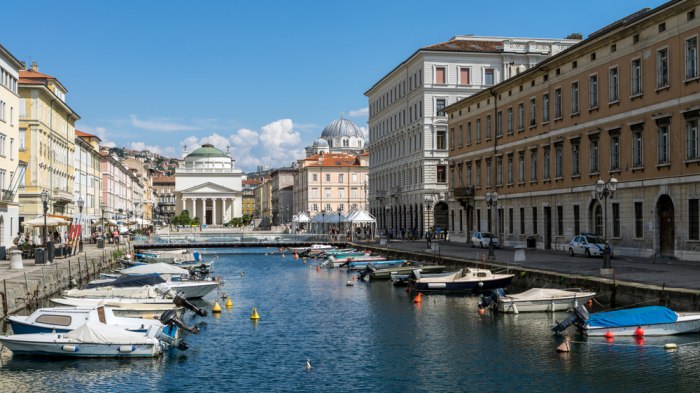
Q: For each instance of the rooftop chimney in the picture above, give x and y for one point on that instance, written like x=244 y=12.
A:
x=35 y=66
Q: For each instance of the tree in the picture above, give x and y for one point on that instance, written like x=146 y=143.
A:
x=574 y=36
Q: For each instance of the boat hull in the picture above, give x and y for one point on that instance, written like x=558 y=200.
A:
x=70 y=348
x=468 y=287
x=194 y=289
x=507 y=305
x=682 y=326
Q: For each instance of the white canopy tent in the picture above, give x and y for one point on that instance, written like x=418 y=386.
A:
x=50 y=222
x=299 y=221
x=362 y=224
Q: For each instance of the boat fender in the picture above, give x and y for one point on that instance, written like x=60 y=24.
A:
x=670 y=346
x=126 y=348
x=481 y=283
x=639 y=332
x=69 y=348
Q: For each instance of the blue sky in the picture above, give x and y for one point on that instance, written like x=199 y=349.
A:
x=262 y=76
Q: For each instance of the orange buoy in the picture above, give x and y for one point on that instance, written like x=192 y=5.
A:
x=565 y=346
x=296 y=256
x=280 y=249
x=482 y=311
x=639 y=332
x=609 y=335
x=418 y=298
x=318 y=268
x=590 y=302
x=354 y=278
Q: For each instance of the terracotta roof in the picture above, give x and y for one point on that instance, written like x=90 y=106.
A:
x=29 y=74
x=164 y=179
x=252 y=181
x=332 y=159
x=468 y=46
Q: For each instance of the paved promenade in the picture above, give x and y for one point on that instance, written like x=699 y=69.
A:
x=664 y=273
x=38 y=281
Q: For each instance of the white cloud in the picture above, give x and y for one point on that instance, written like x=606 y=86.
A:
x=142 y=146
x=165 y=125
x=362 y=112
x=100 y=132
x=244 y=137
x=278 y=133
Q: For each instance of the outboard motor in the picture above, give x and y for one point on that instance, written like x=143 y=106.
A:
x=364 y=273
x=180 y=300
x=578 y=318
x=492 y=298
x=170 y=318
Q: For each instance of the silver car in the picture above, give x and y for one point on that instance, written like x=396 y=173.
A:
x=588 y=245
x=482 y=239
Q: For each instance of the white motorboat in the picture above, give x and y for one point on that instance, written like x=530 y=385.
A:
x=66 y=319
x=640 y=321
x=176 y=278
x=92 y=339
x=121 y=308
x=118 y=297
x=536 y=300
x=466 y=280
x=145 y=294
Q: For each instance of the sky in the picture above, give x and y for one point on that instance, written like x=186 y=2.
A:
x=264 y=77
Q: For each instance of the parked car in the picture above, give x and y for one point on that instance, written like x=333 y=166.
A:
x=588 y=245
x=482 y=239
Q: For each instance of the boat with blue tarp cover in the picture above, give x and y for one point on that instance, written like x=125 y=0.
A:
x=647 y=321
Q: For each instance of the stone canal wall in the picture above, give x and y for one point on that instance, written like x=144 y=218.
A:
x=25 y=289
x=610 y=292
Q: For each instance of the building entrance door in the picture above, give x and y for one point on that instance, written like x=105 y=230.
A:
x=665 y=212
x=209 y=217
x=547 y=228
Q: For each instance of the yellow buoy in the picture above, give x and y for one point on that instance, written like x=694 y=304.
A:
x=229 y=303
x=216 y=309
x=255 y=316
x=670 y=346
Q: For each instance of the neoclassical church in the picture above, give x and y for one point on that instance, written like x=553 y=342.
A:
x=340 y=136
x=208 y=186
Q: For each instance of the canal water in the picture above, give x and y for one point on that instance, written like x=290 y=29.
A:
x=369 y=337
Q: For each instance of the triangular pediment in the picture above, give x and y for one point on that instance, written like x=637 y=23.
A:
x=208 y=187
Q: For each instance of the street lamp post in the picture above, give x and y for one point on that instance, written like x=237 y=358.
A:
x=45 y=202
x=603 y=191
x=491 y=201
x=81 y=203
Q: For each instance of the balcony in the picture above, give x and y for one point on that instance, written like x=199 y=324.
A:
x=61 y=196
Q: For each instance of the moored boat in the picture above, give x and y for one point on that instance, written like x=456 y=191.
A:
x=466 y=280
x=640 y=321
x=378 y=272
x=360 y=264
x=536 y=299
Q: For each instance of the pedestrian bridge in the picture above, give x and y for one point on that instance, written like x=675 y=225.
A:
x=235 y=239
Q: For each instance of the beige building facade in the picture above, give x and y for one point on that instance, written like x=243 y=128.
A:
x=624 y=104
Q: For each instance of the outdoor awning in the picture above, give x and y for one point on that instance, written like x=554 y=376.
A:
x=50 y=222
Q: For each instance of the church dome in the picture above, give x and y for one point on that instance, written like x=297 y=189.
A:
x=342 y=128
x=207 y=150
x=320 y=142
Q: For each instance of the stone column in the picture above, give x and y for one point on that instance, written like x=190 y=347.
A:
x=213 y=210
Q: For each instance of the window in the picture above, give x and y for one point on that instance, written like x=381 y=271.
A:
x=614 y=152
x=461 y=136
x=328 y=193
x=558 y=162
x=510 y=220
x=521 y=167
x=546 y=164
x=636 y=77
x=353 y=192
x=488 y=173
x=22 y=138
x=464 y=76
x=341 y=193
x=560 y=220
x=499 y=123
x=613 y=85
x=575 y=158
x=577 y=220
x=488 y=126
x=545 y=108
x=693 y=223
x=469 y=174
x=341 y=177
x=664 y=144
x=637 y=147
x=328 y=207
x=441 y=174
x=440 y=107
x=533 y=165
x=488 y=77
x=2 y=145
x=478 y=173
x=469 y=133
x=509 y=121
x=522 y=220
x=557 y=103
x=662 y=68
x=594 y=156
x=593 y=91
x=574 y=98
x=533 y=112
x=440 y=75
x=521 y=116
x=510 y=169
x=638 y=220
x=534 y=220
x=478 y=130
x=691 y=139
x=440 y=140
x=691 y=58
